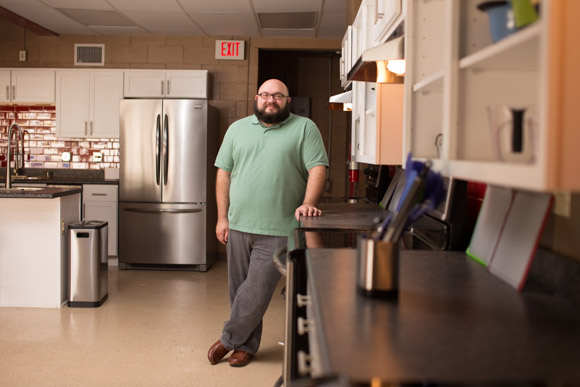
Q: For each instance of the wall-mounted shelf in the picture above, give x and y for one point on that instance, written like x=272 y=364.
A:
x=456 y=76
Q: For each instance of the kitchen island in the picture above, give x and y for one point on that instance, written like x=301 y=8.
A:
x=34 y=244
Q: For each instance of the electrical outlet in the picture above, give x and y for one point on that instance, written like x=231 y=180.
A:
x=65 y=156
x=22 y=55
x=97 y=157
x=563 y=203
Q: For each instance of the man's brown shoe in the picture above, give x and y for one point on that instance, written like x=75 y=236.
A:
x=216 y=352
x=240 y=358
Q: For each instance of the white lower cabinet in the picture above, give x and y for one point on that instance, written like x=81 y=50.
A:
x=100 y=203
x=35 y=274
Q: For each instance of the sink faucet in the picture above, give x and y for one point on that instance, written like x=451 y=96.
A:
x=16 y=161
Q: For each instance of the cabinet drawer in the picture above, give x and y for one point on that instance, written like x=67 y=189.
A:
x=99 y=193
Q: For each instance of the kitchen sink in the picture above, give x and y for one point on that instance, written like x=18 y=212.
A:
x=25 y=178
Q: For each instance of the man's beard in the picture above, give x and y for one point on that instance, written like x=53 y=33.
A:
x=272 y=118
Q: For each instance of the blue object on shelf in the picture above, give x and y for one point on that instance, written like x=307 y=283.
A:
x=501 y=18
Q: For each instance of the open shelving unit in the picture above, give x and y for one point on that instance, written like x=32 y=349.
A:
x=456 y=76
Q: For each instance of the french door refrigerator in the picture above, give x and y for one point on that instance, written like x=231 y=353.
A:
x=163 y=192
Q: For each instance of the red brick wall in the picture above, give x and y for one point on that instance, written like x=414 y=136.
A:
x=44 y=150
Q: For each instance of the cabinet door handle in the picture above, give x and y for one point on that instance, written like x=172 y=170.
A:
x=163 y=210
x=98 y=194
x=304 y=360
x=302 y=300
x=303 y=326
x=91 y=132
x=13 y=92
x=162 y=87
x=168 y=87
x=86 y=130
x=7 y=92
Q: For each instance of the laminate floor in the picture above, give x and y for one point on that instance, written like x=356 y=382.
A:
x=154 y=330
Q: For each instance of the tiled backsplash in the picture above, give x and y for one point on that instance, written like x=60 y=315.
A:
x=44 y=150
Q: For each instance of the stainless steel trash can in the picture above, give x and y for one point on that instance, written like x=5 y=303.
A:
x=88 y=266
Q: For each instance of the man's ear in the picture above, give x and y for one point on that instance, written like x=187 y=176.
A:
x=289 y=99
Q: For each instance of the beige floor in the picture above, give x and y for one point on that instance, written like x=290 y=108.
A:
x=154 y=330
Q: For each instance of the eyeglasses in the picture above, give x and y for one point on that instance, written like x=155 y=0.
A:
x=277 y=96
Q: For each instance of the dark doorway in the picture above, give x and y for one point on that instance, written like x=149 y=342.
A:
x=312 y=77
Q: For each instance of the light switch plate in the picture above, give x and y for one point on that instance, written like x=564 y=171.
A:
x=22 y=55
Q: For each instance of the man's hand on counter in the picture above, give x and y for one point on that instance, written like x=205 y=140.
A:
x=307 y=210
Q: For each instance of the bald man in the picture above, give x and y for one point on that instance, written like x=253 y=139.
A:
x=271 y=171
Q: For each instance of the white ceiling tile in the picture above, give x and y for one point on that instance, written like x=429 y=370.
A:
x=146 y=5
x=332 y=25
x=45 y=16
x=287 y=6
x=165 y=23
x=335 y=5
x=81 y=30
x=216 y=6
x=119 y=30
x=227 y=24
x=8 y=4
x=215 y=17
x=98 y=5
x=280 y=33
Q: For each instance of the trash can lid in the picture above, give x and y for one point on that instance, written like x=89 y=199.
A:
x=88 y=224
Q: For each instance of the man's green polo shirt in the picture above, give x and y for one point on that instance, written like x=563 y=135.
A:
x=269 y=170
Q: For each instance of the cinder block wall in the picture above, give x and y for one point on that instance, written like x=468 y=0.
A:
x=232 y=84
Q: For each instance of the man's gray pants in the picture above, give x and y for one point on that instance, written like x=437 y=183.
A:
x=252 y=279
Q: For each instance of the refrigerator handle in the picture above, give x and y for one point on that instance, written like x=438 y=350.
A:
x=165 y=149
x=163 y=210
x=157 y=146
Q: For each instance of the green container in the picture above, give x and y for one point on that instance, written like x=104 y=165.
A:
x=524 y=12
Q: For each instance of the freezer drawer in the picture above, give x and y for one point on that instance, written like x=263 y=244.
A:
x=162 y=234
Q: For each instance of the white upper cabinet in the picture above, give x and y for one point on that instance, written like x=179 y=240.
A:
x=5 y=86
x=166 y=83
x=346 y=61
x=377 y=130
x=377 y=110
x=87 y=103
x=496 y=112
x=26 y=86
x=388 y=14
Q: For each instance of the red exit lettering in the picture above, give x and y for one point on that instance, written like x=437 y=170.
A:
x=230 y=48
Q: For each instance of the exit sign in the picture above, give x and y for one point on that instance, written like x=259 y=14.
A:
x=229 y=49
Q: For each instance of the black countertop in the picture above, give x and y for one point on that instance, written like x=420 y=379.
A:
x=49 y=192
x=344 y=216
x=60 y=176
x=453 y=322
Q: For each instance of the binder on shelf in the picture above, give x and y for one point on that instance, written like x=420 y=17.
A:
x=520 y=237
x=490 y=222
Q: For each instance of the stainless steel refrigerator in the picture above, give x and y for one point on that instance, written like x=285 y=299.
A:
x=163 y=184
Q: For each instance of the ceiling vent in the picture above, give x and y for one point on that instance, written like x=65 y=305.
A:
x=89 y=54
